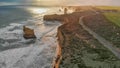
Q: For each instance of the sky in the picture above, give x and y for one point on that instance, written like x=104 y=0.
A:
x=62 y=2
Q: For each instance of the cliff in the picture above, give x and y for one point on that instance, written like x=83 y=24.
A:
x=53 y=17
x=78 y=48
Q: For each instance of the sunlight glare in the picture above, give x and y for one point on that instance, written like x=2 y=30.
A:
x=37 y=10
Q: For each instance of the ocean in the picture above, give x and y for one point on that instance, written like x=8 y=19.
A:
x=17 y=52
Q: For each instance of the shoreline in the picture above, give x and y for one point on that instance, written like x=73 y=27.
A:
x=58 y=57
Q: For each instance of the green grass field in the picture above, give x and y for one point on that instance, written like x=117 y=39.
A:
x=108 y=7
x=113 y=17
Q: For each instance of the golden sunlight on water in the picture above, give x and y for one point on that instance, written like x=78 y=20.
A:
x=37 y=10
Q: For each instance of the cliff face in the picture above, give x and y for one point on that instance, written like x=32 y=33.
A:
x=65 y=32
x=72 y=40
x=52 y=17
x=66 y=18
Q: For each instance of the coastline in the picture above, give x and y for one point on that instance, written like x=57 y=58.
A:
x=58 y=57
x=77 y=47
x=19 y=52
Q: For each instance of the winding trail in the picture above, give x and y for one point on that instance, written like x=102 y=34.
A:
x=103 y=41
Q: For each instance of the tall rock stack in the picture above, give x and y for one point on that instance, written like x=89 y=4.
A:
x=65 y=10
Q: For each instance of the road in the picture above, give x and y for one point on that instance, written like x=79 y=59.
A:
x=103 y=41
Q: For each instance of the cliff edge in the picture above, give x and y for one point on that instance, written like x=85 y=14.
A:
x=78 y=48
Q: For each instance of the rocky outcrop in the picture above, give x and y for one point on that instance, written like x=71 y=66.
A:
x=64 y=18
x=53 y=17
x=28 y=33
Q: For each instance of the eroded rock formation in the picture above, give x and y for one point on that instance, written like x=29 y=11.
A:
x=28 y=33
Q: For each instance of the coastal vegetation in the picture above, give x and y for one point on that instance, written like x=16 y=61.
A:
x=108 y=7
x=105 y=27
x=113 y=17
x=80 y=54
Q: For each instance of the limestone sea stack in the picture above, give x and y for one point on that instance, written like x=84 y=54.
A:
x=28 y=33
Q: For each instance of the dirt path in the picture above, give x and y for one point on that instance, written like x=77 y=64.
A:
x=106 y=43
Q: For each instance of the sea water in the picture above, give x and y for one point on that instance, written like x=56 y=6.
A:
x=17 y=52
